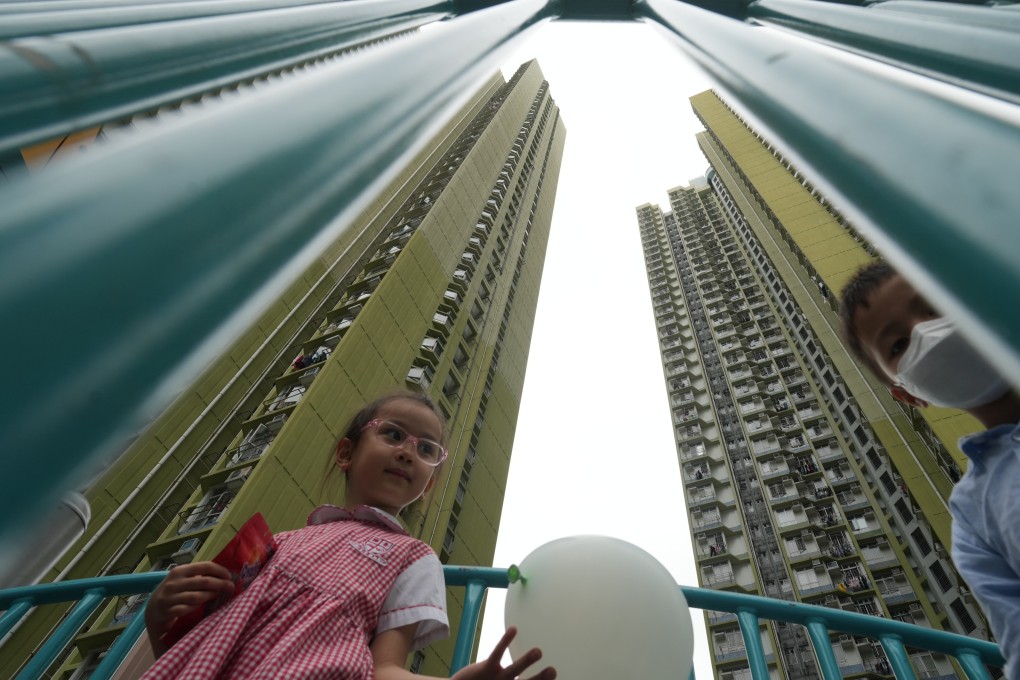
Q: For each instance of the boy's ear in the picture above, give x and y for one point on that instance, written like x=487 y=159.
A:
x=344 y=452
x=900 y=394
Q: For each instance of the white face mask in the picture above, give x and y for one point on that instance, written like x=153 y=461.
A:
x=942 y=368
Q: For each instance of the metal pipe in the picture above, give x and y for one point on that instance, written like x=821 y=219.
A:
x=819 y=635
x=942 y=207
x=953 y=12
x=898 y=658
x=59 y=84
x=14 y=613
x=749 y=608
x=474 y=591
x=752 y=643
x=120 y=647
x=968 y=55
x=37 y=665
x=193 y=229
x=47 y=19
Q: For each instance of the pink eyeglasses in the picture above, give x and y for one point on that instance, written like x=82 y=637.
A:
x=430 y=452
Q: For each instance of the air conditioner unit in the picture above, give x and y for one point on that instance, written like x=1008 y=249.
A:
x=236 y=478
x=796 y=506
x=702 y=537
x=806 y=532
x=846 y=640
x=187 y=551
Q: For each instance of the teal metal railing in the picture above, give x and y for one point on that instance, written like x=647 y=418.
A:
x=910 y=126
x=894 y=636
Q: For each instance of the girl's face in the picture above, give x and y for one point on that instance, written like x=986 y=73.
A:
x=381 y=475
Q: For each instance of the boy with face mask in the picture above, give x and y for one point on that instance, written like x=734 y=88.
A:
x=923 y=359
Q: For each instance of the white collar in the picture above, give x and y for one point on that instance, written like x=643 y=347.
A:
x=365 y=513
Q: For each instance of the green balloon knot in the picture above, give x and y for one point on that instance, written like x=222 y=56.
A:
x=514 y=574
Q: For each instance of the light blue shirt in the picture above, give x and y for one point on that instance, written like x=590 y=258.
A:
x=986 y=532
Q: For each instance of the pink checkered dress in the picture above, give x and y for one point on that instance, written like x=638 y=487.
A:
x=312 y=611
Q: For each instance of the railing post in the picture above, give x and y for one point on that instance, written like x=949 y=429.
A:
x=972 y=665
x=752 y=643
x=120 y=648
x=49 y=650
x=898 y=658
x=11 y=617
x=474 y=590
x=819 y=634
x=142 y=223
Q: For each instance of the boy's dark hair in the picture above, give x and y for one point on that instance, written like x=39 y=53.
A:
x=855 y=295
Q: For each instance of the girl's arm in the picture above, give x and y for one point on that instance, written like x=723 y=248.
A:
x=185 y=588
x=390 y=649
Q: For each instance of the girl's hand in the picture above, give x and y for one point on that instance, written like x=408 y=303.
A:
x=184 y=589
x=492 y=668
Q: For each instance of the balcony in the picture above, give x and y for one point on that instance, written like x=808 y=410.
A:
x=726 y=654
x=816 y=589
x=900 y=596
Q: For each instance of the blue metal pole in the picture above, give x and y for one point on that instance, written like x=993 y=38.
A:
x=898 y=658
x=47 y=21
x=73 y=82
x=66 y=591
x=817 y=618
x=14 y=614
x=48 y=652
x=120 y=648
x=752 y=643
x=955 y=13
x=968 y=55
x=972 y=665
x=852 y=127
x=157 y=251
x=823 y=649
x=474 y=591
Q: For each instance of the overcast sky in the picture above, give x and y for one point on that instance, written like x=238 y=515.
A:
x=594 y=450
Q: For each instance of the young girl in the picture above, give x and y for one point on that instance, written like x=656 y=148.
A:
x=347 y=597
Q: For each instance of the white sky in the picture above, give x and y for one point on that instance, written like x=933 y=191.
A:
x=594 y=450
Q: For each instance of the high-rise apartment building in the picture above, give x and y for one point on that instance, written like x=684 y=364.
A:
x=803 y=479
x=435 y=288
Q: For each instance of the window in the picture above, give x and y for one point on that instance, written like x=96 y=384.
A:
x=901 y=507
x=922 y=543
x=208 y=512
x=960 y=610
x=941 y=577
x=807 y=578
x=416 y=663
x=873 y=458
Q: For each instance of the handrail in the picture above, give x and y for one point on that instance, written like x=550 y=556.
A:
x=750 y=610
x=941 y=207
x=221 y=173
x=59 y=84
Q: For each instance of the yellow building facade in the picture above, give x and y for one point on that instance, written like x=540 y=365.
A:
x=434 y=288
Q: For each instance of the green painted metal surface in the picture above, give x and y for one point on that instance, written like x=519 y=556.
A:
x=28 y=20
x=924 y=171
x=192 y=230
x=58 y=84
x=957 y=51
x=749 y=609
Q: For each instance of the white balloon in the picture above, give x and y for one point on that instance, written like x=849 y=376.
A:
x=600 y=609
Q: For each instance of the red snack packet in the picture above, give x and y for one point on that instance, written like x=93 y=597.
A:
x=244 y=558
